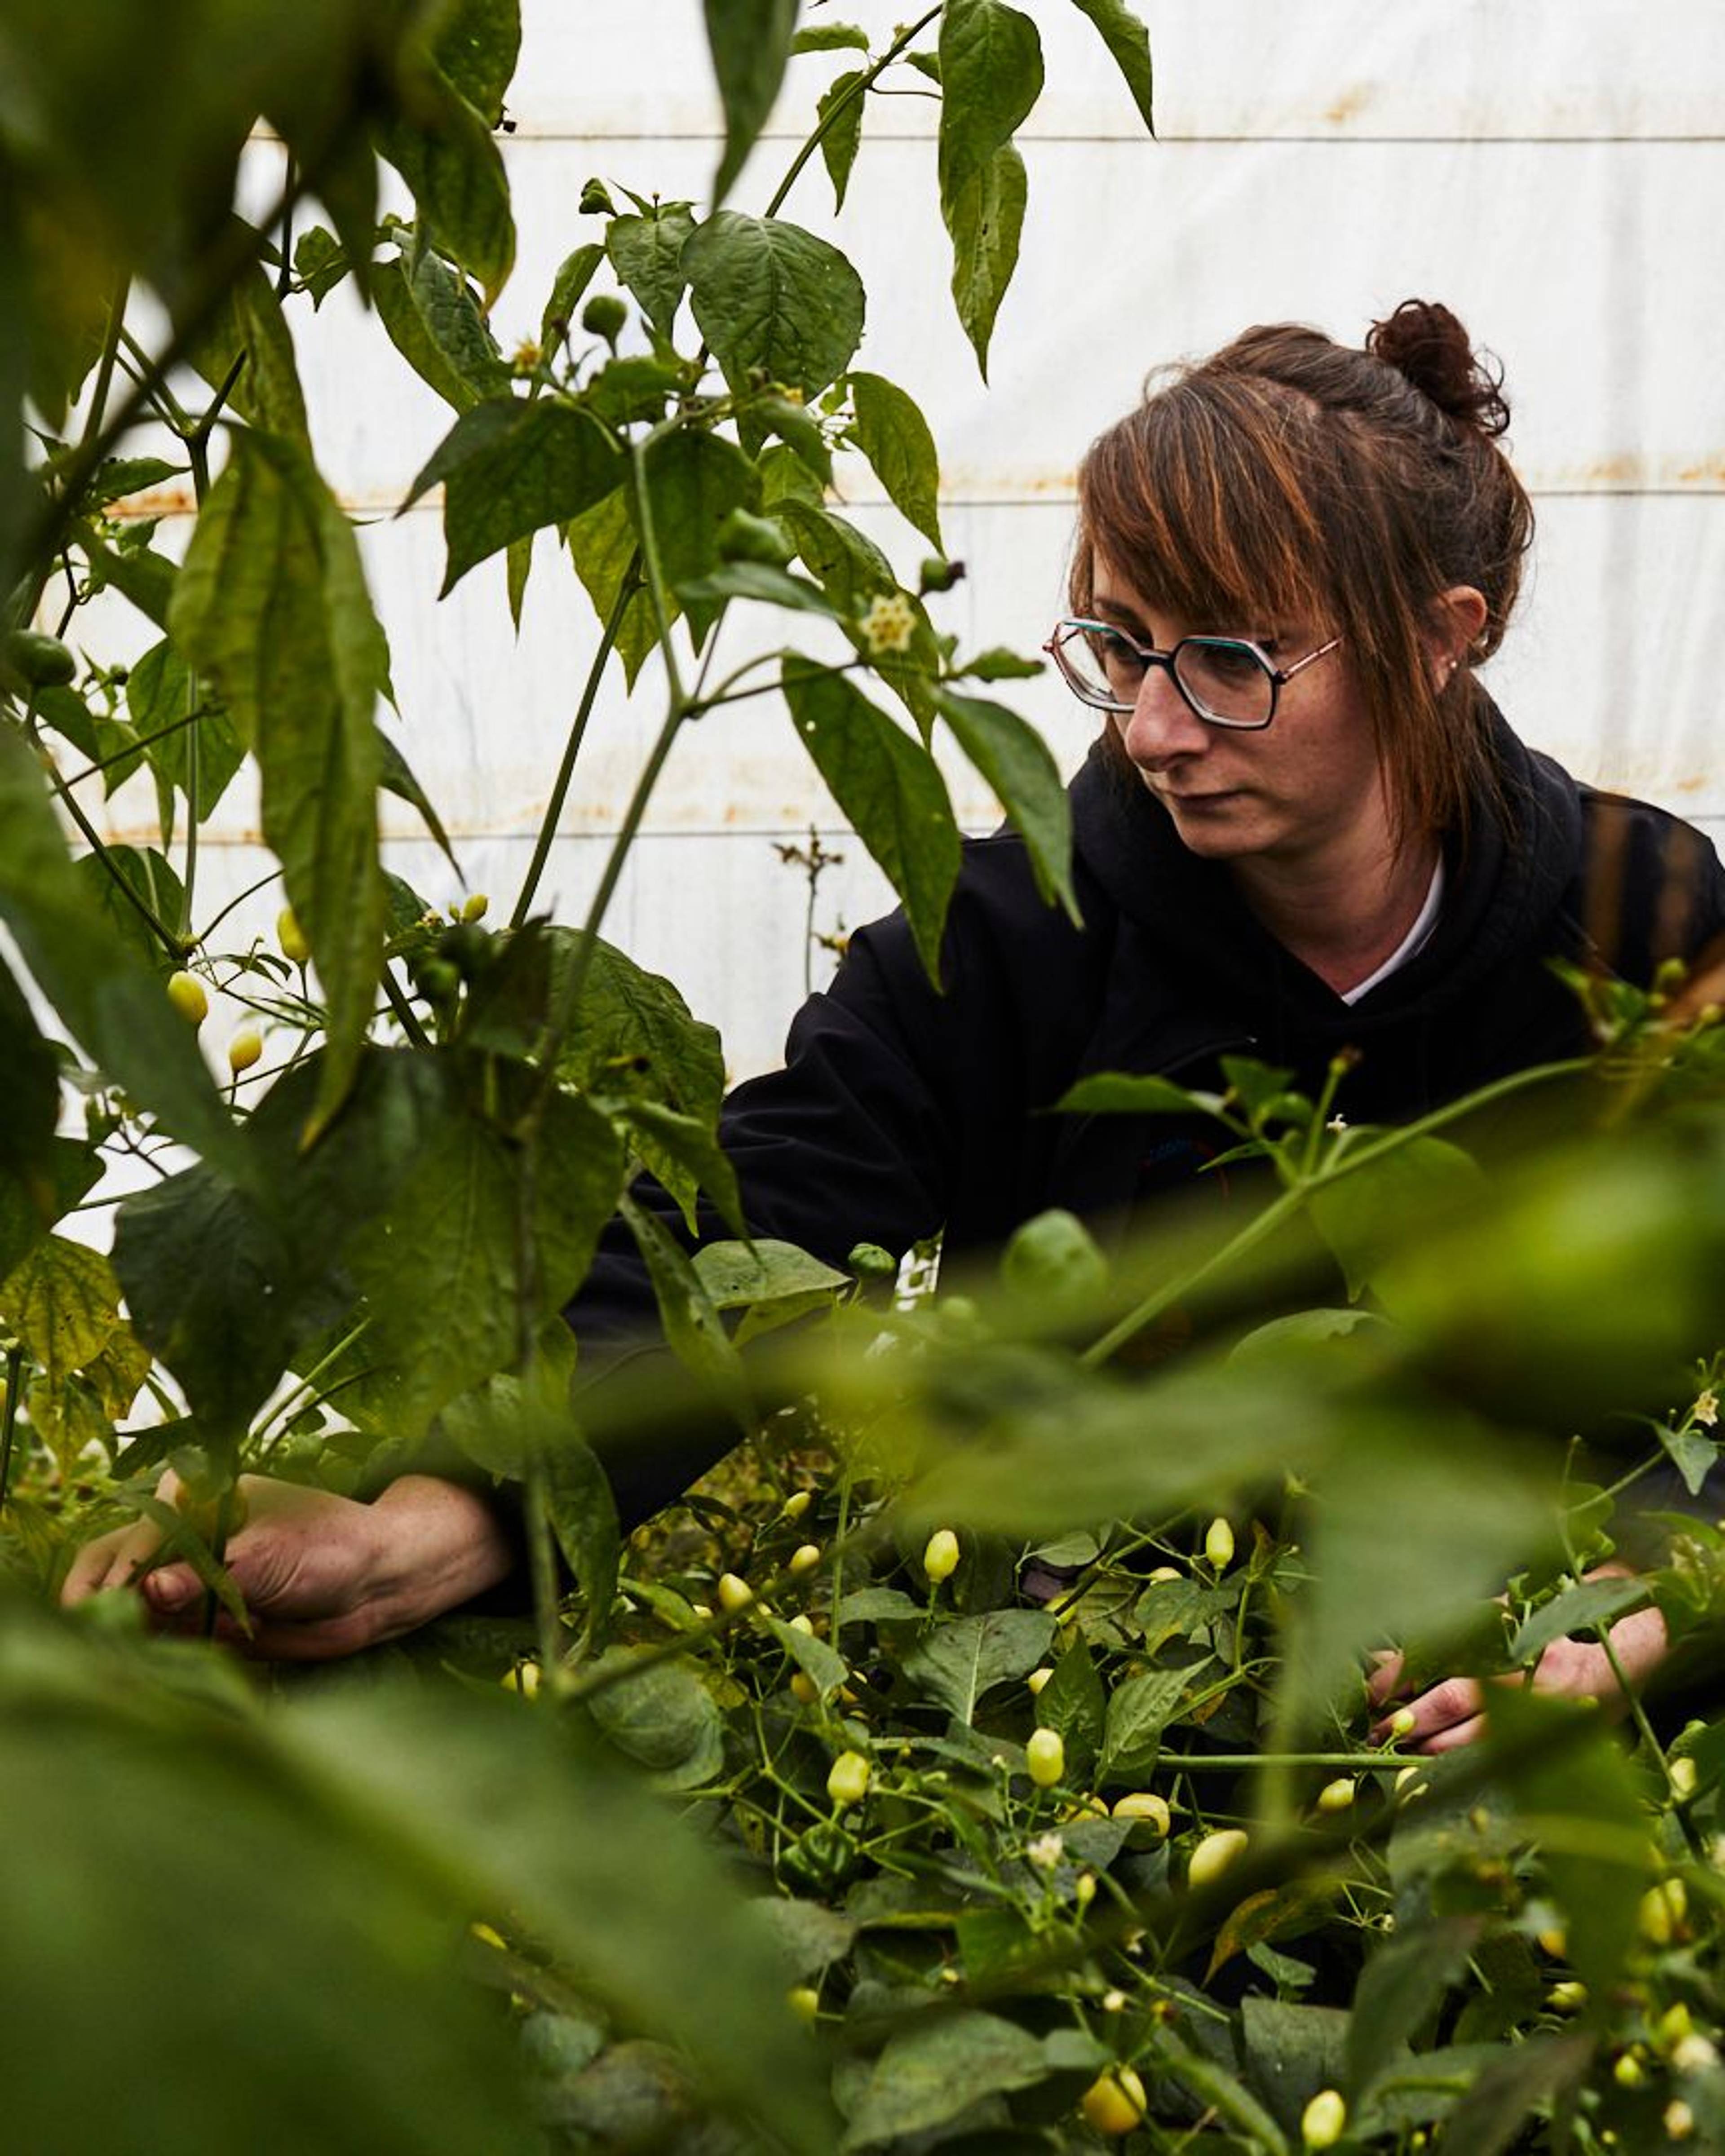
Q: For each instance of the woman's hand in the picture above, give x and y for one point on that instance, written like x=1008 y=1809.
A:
x=1455 y=1713
x=320 y=1575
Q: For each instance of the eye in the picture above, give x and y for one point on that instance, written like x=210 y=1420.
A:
x=1230 y=663
x=1117 y=656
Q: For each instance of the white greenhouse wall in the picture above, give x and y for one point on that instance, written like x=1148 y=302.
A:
x=1553 y=169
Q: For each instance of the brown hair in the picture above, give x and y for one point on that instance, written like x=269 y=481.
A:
x=1291 y=476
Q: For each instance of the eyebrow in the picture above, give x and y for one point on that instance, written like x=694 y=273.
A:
x=1115 y=610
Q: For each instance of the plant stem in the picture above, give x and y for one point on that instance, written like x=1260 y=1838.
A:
x=860 y=88
x=1283 y=1207
x=144 y=740
x=176 y=946
x=405 y=1015
x=221 y=268
x=8 y=1420
x=578 y=731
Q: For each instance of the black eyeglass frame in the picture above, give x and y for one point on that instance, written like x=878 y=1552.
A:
x=1278 y=676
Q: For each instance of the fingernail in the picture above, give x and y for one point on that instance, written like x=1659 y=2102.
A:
x=171 y=1589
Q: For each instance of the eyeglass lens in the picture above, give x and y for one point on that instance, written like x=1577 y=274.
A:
x=1226 y=681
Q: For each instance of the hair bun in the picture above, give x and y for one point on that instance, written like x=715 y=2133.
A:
x=1426 y=344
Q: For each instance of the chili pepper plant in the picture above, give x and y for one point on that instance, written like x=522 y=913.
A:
x=985 y=1761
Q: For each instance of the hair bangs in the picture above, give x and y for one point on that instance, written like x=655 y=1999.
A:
x=1197 y=500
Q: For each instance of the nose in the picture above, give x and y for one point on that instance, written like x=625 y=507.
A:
x=1161 y=727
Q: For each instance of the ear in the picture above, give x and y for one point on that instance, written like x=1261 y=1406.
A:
x=1454 y=618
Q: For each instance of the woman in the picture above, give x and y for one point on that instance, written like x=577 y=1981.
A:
x=1304 y=828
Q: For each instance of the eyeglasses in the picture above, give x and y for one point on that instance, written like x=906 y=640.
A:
x=1226 y=680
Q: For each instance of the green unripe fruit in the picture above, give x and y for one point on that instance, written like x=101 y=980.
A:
x=596 y=200
x=31 y=660
x=603 y=316
x=743 y=537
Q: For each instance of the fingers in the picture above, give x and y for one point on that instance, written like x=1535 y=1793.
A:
x=1385 y=1678
x=1448 y=1714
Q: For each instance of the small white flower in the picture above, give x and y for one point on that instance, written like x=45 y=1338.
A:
x=1705 y=1410
x=1337 y=1124
x=1046 y=1851
x=890 y=623
x=1113 y=2002
x=1695 y=2054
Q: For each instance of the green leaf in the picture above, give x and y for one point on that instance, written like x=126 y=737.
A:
x=754 y=580
x=823 y=1667
x=1400 y=1984
x=1139 y=1712
x=635 y=1034
x=147 y=579
x=248 y=328
x=449 y=160
x=647 y=254
x=510 y=467
x=940 y=2066
x=893 y=435
x=396 y=777
x=750 y=41
x=850 y=567
x=63 y=1304
x=1123 y=1093
x=440 y=1266
x=840 y=113
x=207 y=1276
x=692 y=1326
x=1576 y=1609
x=888 y=789
x=772 y=1284
x=272 y=606
x=110 y=1002
x=985 y=218
x=35 y=1191
x=1291 y=2052
x=991 y=70
x=830 y=38
x=435 y=324
x=1482 y=1516
x=476 y=44
x=695 y=481
x=1075 y=1702
x=159 y=690
x=743 y=1275
x=998 y=664
x=1129 y=42
x=963 y=1659
x=1692 y=1452
x=1489 y=2118
x=106 y=879
x=683 y=1153
x=1015 y=761
x=661 y=1715
x=583 y=1518
x=1365 y=1218
x=320 y=262
x=768 y=295
x=575 y=273
x=605 y=551
x=499 y=1424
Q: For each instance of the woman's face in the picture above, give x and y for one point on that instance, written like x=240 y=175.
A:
x=1306 y=791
